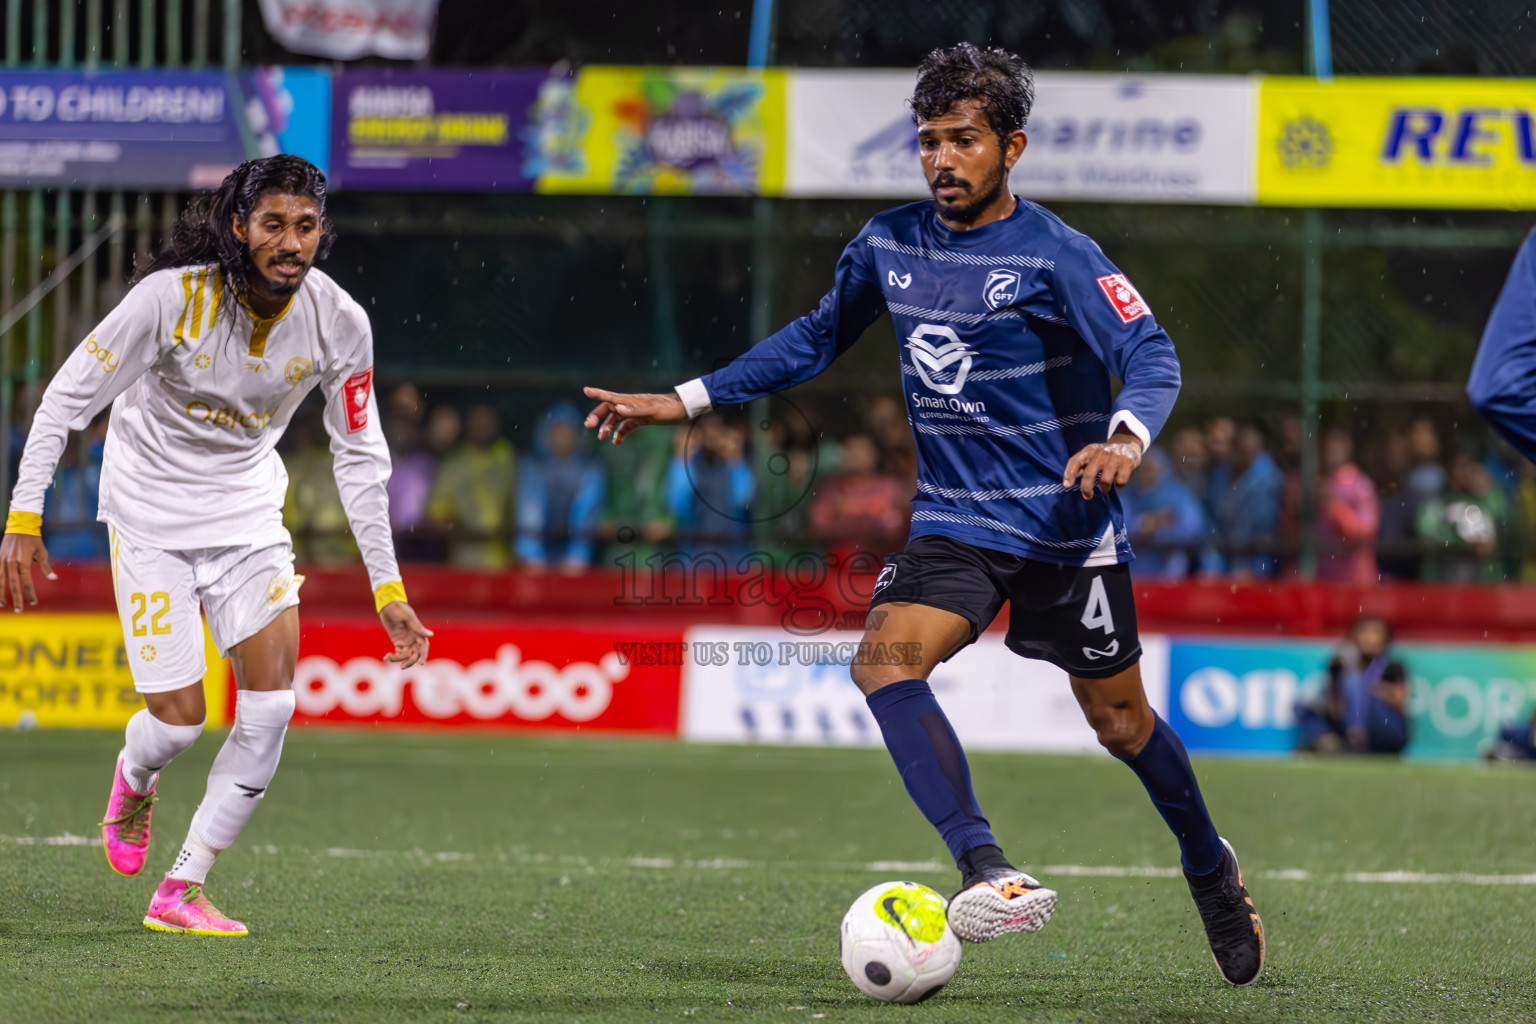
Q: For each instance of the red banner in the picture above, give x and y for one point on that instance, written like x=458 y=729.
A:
x=491 y=674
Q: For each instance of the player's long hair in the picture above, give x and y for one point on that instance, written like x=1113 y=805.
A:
x=205 y=231
x=1000 y=80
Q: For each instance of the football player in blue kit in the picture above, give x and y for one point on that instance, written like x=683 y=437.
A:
x=1011 y=324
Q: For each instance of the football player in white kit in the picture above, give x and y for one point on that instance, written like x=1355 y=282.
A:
x=204 y=362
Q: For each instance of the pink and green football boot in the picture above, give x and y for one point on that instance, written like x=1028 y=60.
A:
x=182 y=908
x=125 y=830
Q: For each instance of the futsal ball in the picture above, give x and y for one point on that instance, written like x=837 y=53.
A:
x=897 y=946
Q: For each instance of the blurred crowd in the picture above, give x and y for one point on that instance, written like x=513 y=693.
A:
x=1223 y=500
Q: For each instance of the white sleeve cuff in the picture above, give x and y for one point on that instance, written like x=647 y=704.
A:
x=695 y=397
x=1129 y=421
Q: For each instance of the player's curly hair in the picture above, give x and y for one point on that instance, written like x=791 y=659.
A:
x=205 y=231
x=999 y=79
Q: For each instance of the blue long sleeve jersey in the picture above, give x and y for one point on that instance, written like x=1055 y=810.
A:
x=1503 y=383
x=1009 y=333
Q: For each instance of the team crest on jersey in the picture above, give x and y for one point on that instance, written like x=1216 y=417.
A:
x=280 y=584
x=1124 y=297
x=951 y=355
x=1001 y=289
x=297 y=369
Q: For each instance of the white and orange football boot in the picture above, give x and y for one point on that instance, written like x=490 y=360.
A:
x=996 y=898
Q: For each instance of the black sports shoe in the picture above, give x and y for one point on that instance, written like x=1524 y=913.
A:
x=996 y=898
x=1231 y=923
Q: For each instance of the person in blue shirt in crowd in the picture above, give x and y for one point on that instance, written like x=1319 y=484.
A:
x=1011 y=325
x=1166 y=520
x=710 y=488
x=559 y=495
x=1248 y=511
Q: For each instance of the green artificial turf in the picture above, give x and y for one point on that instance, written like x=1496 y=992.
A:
x=482 y=877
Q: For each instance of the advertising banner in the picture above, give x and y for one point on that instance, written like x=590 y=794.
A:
x=492 y=674
x=764 y=685
x=425 y=131
x=1115 y=138
x=1409 y=142
x=664 y=131
x=71 y=669
x=1240 y=696
x=155 y=129
x=349 y=29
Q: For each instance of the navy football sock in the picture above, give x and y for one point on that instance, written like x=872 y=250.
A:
x=931 y=763
x=1163 y=767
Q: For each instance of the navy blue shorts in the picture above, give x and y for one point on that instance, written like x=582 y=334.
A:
x=1080 y=618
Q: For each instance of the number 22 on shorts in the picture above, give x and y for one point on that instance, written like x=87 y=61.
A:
x=157 y=624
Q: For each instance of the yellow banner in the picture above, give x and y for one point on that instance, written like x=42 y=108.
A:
x=72 y=670
x=1410 y=142
x=664 y=131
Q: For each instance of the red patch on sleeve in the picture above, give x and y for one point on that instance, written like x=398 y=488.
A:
x=356 y=391
x=1123 y=296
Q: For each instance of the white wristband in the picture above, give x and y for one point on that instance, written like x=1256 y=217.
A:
x=1129 y=421
x=695 y=397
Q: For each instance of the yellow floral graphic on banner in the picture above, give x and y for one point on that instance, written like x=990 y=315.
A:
x=1411 y=142
x=668 y=131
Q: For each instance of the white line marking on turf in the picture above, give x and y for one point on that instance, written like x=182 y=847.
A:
x=879 y=866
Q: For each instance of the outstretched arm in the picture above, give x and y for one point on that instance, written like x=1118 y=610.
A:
x=117 y=353
x=794 y=355
x=1503 y=382
x=361 y=461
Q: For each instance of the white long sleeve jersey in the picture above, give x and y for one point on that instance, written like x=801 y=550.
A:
x=201 y=391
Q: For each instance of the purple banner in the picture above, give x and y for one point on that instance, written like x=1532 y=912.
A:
x=426 y=131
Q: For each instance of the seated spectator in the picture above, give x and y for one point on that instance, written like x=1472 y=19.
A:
x=886 y=418
x=472 y=498
x=1348 y=515
x=1362 y=710
x=69 y=517
x=559 y=496
x=1462 y=528
x=1166 y=521
x=710 y=489
x=312 y=508
x=1248 y=510
x=1398 y=548
x=1187 y=460
x=1220 y=436
x=413 y=471
x=1516 y=742
x=635 y=517
x=860 y=505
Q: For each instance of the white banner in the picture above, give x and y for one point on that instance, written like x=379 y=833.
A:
x=1102 y=137
x=349 y=29
x=767 y=686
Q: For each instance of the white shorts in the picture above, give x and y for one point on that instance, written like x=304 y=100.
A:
x=240 y=589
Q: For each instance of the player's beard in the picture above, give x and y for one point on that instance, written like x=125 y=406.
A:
x=282 y=287
x=966 y=210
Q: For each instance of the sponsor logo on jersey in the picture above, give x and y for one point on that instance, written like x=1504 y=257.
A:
x=1001 y=289
x=1108 y=652
x=1124 y=297
x=230 y=419
x=147 y=652
x=297 y=369
x=898 y=282
x=356 y=392
x=886 y=578
x=203 y=361
x=936 y=359
x=103 y=355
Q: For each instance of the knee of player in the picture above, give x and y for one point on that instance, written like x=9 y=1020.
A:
x=871 y=676
x=265 y=709
x=1122 y=731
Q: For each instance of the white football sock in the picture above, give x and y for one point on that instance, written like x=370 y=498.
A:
x=150 y=745
x=238 y=779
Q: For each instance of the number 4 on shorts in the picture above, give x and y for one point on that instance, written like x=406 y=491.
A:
x=1096 y=612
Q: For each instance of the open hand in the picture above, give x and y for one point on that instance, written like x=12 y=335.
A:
x=17 y=553
x=409 y=635
x=1109 y=464
x=617 y=414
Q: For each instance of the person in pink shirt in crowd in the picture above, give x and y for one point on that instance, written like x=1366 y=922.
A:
x=1348 y=515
